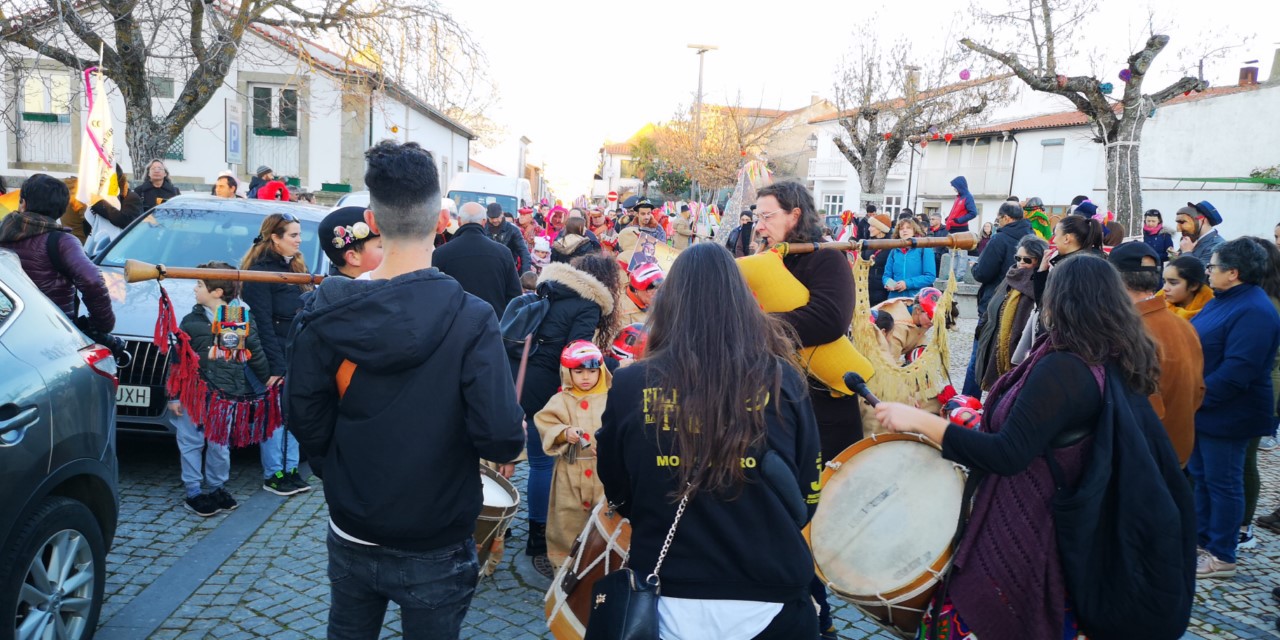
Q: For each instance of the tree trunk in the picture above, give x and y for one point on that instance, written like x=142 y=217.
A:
x=1124 y=179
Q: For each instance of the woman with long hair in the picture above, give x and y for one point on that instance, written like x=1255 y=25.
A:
x=1051 y=402
x=785 y=212
x=1186 y=287
x=725 y=441
x=278 y=248
x=1011 y=307
x=583 y=296
x=1073 y=235
x=573 y=241
x=909 y=269
x=1156 y=235
x=1240 y=335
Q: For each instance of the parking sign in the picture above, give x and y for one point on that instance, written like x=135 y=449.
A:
x=234 y=133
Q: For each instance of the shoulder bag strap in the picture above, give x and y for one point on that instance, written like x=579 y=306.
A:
x=653 y=579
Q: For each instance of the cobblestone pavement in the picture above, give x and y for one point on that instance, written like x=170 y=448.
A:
x=274 y=584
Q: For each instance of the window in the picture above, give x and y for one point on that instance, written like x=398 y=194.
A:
x=177 y=148
x=629 y=169
x=833 y=204
x=275 y=112
x=7 y=308
x=161 y=87
x=953 y=155
x=893 y=205
x=47 y=93
x=1051 y=154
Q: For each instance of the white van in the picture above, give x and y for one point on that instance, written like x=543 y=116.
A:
x=486 y=188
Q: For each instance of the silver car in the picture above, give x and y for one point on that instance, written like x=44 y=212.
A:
x=57 y=465
x=186 y=231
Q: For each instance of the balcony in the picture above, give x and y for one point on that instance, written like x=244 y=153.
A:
x=834 y=168
x=983 y=180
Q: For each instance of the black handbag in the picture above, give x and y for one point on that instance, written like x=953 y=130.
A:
x=623 y=607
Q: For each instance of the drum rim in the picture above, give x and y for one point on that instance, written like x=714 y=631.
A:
x=929 y=577
x=556 y=600
x=506 y=485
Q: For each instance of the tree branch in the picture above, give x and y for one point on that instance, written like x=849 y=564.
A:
x=1181 y=86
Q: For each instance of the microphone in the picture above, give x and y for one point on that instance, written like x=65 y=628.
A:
x=859 y=386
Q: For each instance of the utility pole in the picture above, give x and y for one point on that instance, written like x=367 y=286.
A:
x=696 y=189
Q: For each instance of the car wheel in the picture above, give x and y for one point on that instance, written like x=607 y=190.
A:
x=53 y=574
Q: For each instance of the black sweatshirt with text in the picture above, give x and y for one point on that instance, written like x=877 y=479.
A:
x=743 y=546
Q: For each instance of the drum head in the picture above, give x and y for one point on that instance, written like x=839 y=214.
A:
x=498 y=491
x=886 y=516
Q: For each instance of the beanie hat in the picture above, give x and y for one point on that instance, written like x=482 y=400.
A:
x=1127 y=258
x=541 y=243
x=494 y=210
x=880 y=221
x=1087 y=209
x=262 y=170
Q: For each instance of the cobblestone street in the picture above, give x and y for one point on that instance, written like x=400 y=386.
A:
x=261 y=570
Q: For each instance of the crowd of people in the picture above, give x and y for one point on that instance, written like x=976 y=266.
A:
x=617 y=386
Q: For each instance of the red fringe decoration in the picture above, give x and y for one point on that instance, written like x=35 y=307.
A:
x=238 y=421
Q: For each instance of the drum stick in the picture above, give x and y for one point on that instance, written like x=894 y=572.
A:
x=859 y=386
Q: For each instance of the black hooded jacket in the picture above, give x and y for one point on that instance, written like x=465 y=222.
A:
x=430 y=396
x=152 y=195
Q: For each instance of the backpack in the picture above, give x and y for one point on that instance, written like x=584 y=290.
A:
x=1127 y=532
x=521 y=319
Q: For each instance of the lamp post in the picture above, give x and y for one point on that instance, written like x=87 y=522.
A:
x=695 y=188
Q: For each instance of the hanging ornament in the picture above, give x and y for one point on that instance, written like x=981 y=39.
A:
x=395 y=129
x=1125 y=75
x=964 y=74
x=924 y=143
x=948 y=138
x=1062 y=82
x=888 y=135
x=934 y=130
x=935 y=135
x=1106 y=88
x=1186 y=93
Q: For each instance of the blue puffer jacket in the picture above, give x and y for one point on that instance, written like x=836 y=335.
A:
x=1239 y=333
x=916 y=267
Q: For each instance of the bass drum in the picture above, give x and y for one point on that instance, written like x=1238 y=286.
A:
x=501 y=502
x=881 y=536
x=600 y=549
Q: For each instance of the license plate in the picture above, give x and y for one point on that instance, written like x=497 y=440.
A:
x=129 y=396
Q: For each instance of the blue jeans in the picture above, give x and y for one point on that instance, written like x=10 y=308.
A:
x=194 y=450
x=972 y=385
x=433 y=588
x=541 y=466
x=1217 y=466
x=278 y=453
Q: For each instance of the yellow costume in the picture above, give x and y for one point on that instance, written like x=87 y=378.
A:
x=905 y=335
x=575 y=489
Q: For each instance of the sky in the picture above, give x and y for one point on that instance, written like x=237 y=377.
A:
x=574 y=74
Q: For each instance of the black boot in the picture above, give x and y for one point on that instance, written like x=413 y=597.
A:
x=537 y=543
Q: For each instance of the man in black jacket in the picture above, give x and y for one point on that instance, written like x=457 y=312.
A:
x=397 y=387
x=509 y=236
x=990 y=271
x=484 y=268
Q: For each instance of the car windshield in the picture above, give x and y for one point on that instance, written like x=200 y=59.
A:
x=462 y=197
x=191 y=237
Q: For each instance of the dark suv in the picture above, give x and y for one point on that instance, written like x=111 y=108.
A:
x=186 y=231
x=57 y=465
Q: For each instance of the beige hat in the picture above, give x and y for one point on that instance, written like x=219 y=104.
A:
x=880 y=221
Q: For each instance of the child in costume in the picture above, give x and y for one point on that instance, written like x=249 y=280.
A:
x=222 y=368
x=568 y=425
x=352 y=247
x=904 y=323
x=541 y=254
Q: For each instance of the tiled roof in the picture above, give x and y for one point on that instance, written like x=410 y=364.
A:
x=476 y=167
x=618 y=148
x=1077 y=119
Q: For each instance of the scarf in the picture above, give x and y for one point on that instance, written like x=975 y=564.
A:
x=1007 y=580
x=1152 y=230
x=21 y=225
x=1202 y=297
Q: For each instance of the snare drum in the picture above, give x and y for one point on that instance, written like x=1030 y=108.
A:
x=600 y=549
x=501 y=501
x=881 y=536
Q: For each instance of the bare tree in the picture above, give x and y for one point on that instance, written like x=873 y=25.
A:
x=414 y=41
x=885 y=102
x=1045 y=28
x=731 y=135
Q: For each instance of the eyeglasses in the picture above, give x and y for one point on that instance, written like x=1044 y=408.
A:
x=1209 y=268
x=1025 y=259
x=761 y=217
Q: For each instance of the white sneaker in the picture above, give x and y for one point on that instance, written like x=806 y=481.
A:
x=1247 y=540
x=1268 y=443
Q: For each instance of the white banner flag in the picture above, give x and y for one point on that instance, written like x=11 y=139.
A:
x=97 y=146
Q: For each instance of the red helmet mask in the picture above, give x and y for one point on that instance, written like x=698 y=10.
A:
x=581 y=354
x=629 y=345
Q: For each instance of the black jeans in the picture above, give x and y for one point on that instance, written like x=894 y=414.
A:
x=433 y=588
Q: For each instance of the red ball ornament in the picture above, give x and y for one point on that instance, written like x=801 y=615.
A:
x=924 y=143
x=888 y=135
x=948 y=138
x=935 y=135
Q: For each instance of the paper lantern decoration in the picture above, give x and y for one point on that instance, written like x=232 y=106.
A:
x=948 y=138
x=1106 y=88
x=935 y=135
x=1125 y=75
x=888 y=135
x=964 y=74
x=934 y=130
x=924 y=143
x=1062 y=82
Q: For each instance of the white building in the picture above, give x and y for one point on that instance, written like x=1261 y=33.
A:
x=308 y=113
x=1196 y=147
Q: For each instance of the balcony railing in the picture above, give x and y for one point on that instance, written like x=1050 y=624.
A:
x=829 y=168
x=44 y=138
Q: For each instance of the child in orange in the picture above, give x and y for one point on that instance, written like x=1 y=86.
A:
x=568 y=425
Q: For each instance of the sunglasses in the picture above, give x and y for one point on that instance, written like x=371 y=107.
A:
x=1024 y=259
x=288 y=217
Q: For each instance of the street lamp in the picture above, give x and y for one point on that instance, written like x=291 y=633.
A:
x=697 y=119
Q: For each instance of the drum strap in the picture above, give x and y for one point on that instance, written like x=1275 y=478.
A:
x=966 y=509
